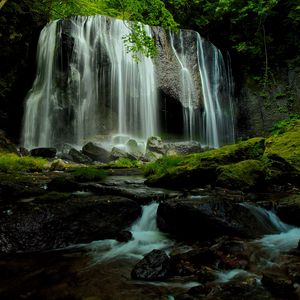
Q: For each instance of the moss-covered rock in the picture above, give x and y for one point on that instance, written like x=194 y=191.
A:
x=288 y=209
x=6 y=145
x=245 y=175
x=286 y=145
x=201 y=168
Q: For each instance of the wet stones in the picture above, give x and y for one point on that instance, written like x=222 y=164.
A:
x=43 y=152
x=154 y=266
x=96 y=153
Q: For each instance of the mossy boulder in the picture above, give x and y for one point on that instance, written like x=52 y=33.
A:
x=283 y=155
x=245 y=175
x=286 y=145
x=201 y=168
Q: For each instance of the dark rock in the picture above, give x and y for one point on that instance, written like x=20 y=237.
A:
x=63 y=184
x=23 y=151
x=45 y=224
x=199 y=290
x=96 y=153
x=288 y=209
x=79 y=157
x=124 y=236
x=278 y=284
x=154 y=266
x=298 y=247
x=210 y=218
x=43 y=152
x=183 y=148
x=117 y=153
x=6 y=145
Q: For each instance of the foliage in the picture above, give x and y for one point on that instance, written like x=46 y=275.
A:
x=10 y=162
x=285 y=124
x=91 y=173
x=138 y=42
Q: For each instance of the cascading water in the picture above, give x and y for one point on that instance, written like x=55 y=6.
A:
x=145 y=237
x=73 y=89
x=214 y=124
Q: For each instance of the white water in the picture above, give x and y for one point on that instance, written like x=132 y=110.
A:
x=188 y=92
x=218 y=125
x=146 y=237
x=214 y=126
x=69 y=105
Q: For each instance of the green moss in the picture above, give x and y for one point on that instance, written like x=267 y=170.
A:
x=200 y=168
x=244 y=175
x=91 y=173
x=10 y=162
x=125 y=163
x=286 y=145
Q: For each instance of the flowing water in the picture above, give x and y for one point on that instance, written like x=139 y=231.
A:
x=73 y=89
x=87 y=85
x=145 y=238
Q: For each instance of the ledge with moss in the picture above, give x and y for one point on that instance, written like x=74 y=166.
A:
x=250 y=165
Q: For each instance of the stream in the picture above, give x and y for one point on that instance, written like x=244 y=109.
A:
x=102 y=269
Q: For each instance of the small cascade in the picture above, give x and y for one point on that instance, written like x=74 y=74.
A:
x=267 y=219
x=145 y=238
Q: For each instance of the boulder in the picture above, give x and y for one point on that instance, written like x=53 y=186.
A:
x=209 y=218
x=152 y=156
x=79 y=157
x=117 y=153
x=183 y=148
x=43 y=152
x=155 y=144
x=154 y=266
x=96 y=153
x=124 y=236
x=288 y=209
x=133 y=149
x=57 y=165
x=68 y=220
x=245 y=175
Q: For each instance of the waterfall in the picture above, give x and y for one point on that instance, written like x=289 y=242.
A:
x=75 y=87
x=88 y=87
x=213 y=124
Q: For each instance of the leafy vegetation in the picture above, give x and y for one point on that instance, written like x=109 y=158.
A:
x=10 y=162
x=285 y=124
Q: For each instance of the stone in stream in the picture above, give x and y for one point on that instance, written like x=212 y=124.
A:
x=154 y=266
x=79 y=157
x=133 y=149
x=96 y=153
x=43 y=152
x=210 y=218
x=155 y=144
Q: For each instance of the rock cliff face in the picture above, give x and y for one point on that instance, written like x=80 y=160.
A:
x=258 y=107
